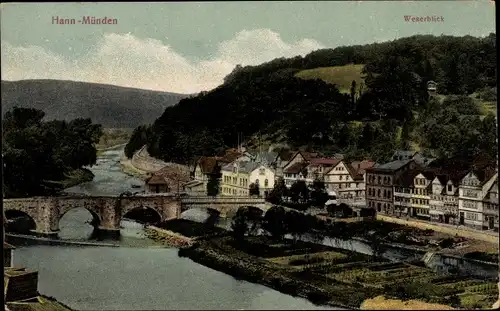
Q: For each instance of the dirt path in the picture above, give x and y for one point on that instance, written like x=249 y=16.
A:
x=460 y=231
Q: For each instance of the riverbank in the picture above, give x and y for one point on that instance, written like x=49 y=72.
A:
x=167 y=237
x=129 y=169
x=331 y=276
x=17 y=239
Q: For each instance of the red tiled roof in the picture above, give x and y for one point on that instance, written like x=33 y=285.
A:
x=324 y=161
x=354 y=174
x=361 y=166
x=308 y=156
x=295 y=168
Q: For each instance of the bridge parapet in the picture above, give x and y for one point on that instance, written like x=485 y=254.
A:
x=222 y=199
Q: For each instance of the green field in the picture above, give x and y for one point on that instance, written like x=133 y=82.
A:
x=114 y=136
x=342 y=76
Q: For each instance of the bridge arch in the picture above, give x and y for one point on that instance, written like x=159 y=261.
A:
x=137 y=205
x=12 y=214
x=91 y=206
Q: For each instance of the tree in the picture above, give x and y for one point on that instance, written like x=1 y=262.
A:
x=38 y=155
x=294 y=222
x=278 y=192
x=299 y=191
x=239 y=225
x=274 y=222
x=376 y=242
x=254 y=189
x=319 y=195
x=213 y=218
x=353 y=92
x=213 y=185
x=247 y=220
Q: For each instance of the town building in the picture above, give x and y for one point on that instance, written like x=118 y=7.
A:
x=296 y=171
x=237 y=177
x=194 y=188
x=404 y=155
x=380 y=184
x=443 y=203
x=205 y=166
x=342 y=179
x=168 y=179
x=474 y=195
x=282 y=158
x=412 y=193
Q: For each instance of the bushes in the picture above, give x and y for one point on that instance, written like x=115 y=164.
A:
x=446 y=243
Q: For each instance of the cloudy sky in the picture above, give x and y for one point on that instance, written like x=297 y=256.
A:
x=189 y=47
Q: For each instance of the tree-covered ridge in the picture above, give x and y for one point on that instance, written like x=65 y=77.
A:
x=38 y=155
x=393 y=109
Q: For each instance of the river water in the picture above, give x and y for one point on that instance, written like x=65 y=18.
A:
x=138 y=275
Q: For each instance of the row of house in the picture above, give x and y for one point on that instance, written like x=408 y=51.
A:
x=455 y=192
x=240 y=169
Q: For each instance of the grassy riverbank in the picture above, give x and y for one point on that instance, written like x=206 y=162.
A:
x=333 y=276
x=77 y=177
x=114 y=136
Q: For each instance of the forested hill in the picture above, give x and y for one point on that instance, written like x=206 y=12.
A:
x=387 y=108
x=108 y=105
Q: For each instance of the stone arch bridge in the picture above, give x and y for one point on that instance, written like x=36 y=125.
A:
x=46 y=212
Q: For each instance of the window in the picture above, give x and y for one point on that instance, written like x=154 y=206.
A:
x=378 y=193
x=378 y=180
x=262 y=171
x=389 y=194
x=450 y=188
x=347 y=178
x=256 y=181
x=266 y=183
x=340 y=177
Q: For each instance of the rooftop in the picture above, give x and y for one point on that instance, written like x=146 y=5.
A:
x=244 y=167
x=296 y=168
x=324 y=161
x=390 y=166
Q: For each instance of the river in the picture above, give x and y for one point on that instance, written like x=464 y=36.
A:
x=138 y=275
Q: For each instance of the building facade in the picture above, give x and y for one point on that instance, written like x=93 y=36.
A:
x=473 y=192
x=237 y=177
x=380 y=184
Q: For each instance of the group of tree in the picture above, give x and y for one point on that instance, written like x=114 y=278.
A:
x=385 y=115
x=299 y=192
x=276 y=222
x=38 y=155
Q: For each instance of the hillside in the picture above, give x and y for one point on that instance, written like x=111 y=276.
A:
x=305 y=102
x=109 y=105
x=341 y=76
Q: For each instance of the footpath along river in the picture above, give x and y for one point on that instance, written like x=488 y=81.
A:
x=138 y=275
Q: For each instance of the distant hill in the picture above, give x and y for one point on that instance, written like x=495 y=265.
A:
x=341 y=76
x=109 y=105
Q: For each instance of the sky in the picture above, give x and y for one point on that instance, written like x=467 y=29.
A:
x=187 y=47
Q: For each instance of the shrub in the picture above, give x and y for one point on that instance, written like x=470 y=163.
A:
x=446 y=243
